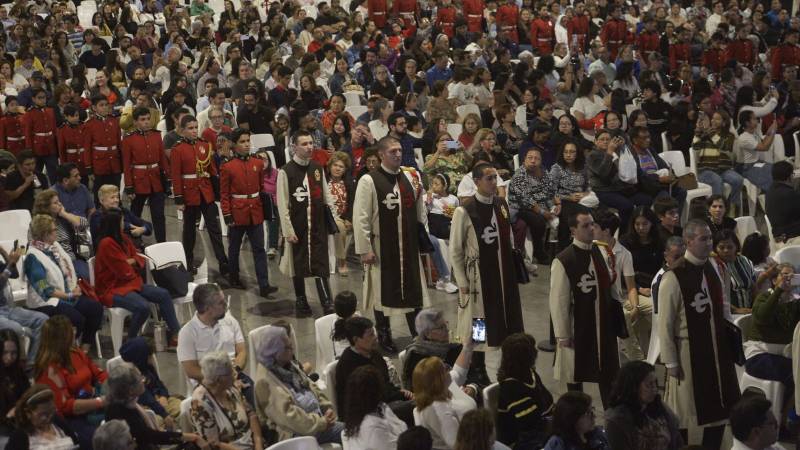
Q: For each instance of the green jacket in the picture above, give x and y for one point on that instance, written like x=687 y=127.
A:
x=773 y=321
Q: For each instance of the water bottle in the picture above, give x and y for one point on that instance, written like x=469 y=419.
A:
x=160 y=336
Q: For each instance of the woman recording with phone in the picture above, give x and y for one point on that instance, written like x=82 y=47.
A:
x=449 y=158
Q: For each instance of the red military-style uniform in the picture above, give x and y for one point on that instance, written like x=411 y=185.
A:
x=408 y=11
x=144 y=161
x=473 y=12
x=784 y=55
x=648 y=43
x=446 y=20
x=714 y=59
x=39 y=126
x=678 y=55
x=192 y=164
x=506 y=19
x=542 y=35
x=72 y=145
x=578 y=32
x=102 y=143
x=377 y=10
x=613 y=35
x=240 y=186
x=12 y=136
x=742 y=50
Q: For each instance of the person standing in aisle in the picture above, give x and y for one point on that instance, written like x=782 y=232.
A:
x=240 y=187
x=146 y=166
x=103 y=136
x=39 y=124
x=303 y=195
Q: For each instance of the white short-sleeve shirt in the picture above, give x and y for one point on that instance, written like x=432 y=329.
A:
x=197 y=339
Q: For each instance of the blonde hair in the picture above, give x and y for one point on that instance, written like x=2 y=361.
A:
x=106 y=190
x=428 y=382
x=41 y=226
x=41 y=205
x=474 y=117
x=339 y=156
x=480 y=135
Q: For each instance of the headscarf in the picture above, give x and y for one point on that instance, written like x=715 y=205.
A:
x=268 y=344
x=562 y=37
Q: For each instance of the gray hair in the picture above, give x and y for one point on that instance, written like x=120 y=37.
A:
x=674 y=242
x=214 y=366
x=121 y=383
x=426 y=321
x=110 y=435
x=693 y=227
x=203 y=296
x=269 y=342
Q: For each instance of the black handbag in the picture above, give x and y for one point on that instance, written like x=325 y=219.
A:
x=733 y=334
x=330 y=221
x=425 y=244
x=518 y=260
x=267 y=206
x=617 y=319
x=173 y=277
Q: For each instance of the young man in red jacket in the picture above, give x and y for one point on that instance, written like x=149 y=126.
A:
x=240 y=186
x=146 y=167
x=542 y=33
x=71 y=142
x=192 y=167
x=615 y=32
x=446 y=18
x=39 y=126
x=578 y=29
x=12 y=136
x=102 y=142
x=506 y=18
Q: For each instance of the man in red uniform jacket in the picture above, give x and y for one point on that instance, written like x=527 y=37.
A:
x=542 y=32
x=192 y=168
x=716 y=55
x=578 y=29
x=680 y=52
x=145 y=167
x=649 y=40
x=241 y=185
x=614 y=32
x=446 y=18
x=12 y=137
x=506 y=18
x=741 y=49
x=786 y=54
x=473 y=12
x=39 y=126
x=102 y=137
x=408 y=12
x=71 y=142
x=377 y=9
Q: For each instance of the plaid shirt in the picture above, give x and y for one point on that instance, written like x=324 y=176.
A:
x=525 y=191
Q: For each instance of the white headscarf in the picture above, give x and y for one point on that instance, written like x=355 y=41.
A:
x=562 y=37
x=268 y=344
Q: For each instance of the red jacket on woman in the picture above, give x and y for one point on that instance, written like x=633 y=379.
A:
x=113 y=275
x=68 y=383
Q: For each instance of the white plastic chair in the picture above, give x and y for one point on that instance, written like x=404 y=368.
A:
x=401 y=357
x=665 y=144
x=352 y=98
x=298 y=443
x=185 y=417
x=114 y=362
x=222 y=225
x=322 y=336
x=418 y=158
x=773 y=390
x=521 y=118
x=329 y=375
x=116 y=318
x=745 y=226
x=789 y=254
x=776 y=152
x=15 y=225
x=773 y=245
x=356 y=110
x=491 y=397
x=259 y=141
x=463 y=110
x=455 y=130
x=516 y=162
x=677 y=163
x=164 y=254
x=726 y=188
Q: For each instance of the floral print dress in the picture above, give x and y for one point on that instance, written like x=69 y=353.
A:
x=217 y=423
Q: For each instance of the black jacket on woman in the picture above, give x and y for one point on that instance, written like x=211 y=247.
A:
x=146 y=438
x=622 y=427
x=19 y=438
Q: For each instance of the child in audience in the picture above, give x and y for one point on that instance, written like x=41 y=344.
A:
x=441 y=205
x=344 y=304
x=669 y=217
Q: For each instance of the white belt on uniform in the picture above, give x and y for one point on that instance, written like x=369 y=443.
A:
x=189 y=176
x=49 y=133
x=378 y=13
x=145 y=166
x=72 y=151
x=105 y=149
x=14 y=139
x=474 y=15
x=543 y=39
x=245 y=196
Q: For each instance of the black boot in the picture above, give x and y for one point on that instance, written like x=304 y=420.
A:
x=385 y=340
x=264 y=291
x=301 y=307
x=324 y=293
x=327 y=306
x=477 y=369
x=235 y=282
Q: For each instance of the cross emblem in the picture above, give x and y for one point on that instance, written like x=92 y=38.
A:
x=391 y=201
x=701 y=300
x=588 y=280
x=300 y=194
x=490 y=232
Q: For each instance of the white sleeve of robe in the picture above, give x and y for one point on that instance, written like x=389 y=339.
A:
x=669 y=300
x=458 y=244
x=362 y=215
x=283 y=205
x=560 y=301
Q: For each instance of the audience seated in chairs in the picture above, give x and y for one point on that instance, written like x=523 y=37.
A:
x=573 y=425
x=477 y=432
x=571 y=184
x=669 y=217
x=70 y=230
x=637 y=418
x=753 y=424
x=781 y=203
x=125 y=385
x=344 y=304
x=53 y=284
x=716 y=216
x=756 y=248
x=72 y=376
x=113 y=435
x=737 y=268
x=644 y=243
x=108 y=197
x=74 y=195
x=524 y=403
x=415 y=438
x=533 y=204
x=13 y=381
x=37 y=424
x=139 y=352
x=22 y=184
x=343 y=191
x=775 y=316
x=286 y=398
x=13 y=317
x=441 y=205
x=369 y=422
x=118 y=279
x=433 y=339
x=219 y=412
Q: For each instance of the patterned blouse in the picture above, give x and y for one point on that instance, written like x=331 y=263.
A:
x=455 y=166
x=339 y=193
x=214 y=422
x=567 y=182
x=525 y=190
x=507 y=142
x=743 y=277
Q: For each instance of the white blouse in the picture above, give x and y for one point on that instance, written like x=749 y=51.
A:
x=376 y=432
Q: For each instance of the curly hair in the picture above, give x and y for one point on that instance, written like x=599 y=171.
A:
x=518 y=358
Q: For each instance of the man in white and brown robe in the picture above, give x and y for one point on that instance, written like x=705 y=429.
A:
x=702 y=385
x=582 y=307
x=387 y=214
